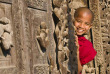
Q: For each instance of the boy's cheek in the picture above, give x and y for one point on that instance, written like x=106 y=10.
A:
x=76 y=24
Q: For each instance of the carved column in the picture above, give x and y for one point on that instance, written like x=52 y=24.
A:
x=97 y=37
x=22 y=36
x=104 y=7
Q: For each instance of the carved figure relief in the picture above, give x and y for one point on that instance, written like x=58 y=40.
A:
x=42 y=36
x=6 y=33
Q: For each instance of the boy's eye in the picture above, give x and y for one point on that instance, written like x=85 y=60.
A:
x=87 y=23
x=78 y=20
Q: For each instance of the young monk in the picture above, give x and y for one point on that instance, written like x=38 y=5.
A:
x=83 y=22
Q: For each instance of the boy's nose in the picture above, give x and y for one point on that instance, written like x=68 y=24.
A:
x=81 y=25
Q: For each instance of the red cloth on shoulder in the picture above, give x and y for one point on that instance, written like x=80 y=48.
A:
x=86 y=50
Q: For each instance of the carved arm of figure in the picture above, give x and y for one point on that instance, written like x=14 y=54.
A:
x=6 y=33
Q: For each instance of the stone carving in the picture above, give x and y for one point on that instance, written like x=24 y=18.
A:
x=57 y=3
x=104 y=18
x=88 y=70
x=43 y=35
x=41 y=69
x=6 y=33
x=97 y=38
x=8 y=70
x=62 y=34
x=37 y=4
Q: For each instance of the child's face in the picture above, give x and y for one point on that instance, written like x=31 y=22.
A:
x=83 y=23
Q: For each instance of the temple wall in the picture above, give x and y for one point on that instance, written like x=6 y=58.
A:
x=38 y=37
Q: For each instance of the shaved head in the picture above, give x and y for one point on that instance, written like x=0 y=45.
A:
x=82 y=10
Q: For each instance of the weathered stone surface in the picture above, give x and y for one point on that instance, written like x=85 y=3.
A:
x=8 y=70
x=7 y=52
x=37 y=4
x=103 y=32
x=6 y=1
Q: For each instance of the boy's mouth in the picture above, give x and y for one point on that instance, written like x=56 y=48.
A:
x=80 y=30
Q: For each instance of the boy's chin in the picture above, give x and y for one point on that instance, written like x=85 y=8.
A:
x=84 y=33
x=79 y=34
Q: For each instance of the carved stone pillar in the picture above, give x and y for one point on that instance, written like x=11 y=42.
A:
x=97 y=37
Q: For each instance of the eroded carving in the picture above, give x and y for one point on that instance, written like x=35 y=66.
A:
x=105 y=33
x=38 y=4
x=8 y=70
x=88 y=70
x=42 y=36
x=98 y=28
x=61 y=32
x=6 y=33
x=41 y=69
